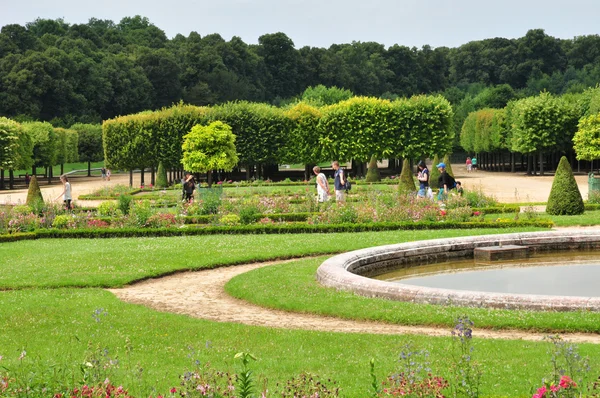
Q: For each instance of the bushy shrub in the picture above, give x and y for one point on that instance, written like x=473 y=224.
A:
x=139 y=213
x=476 y=198
x=211 y=200
x=61 y=221
x=565 y=198
x=249 y=214
x=124 y=203
x=109 y=209
x=230 y=219
x=594 y=197
x=23 y=223
x=459 y=214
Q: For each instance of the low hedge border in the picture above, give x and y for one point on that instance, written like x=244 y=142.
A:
x=263 y=229
x=497 y=209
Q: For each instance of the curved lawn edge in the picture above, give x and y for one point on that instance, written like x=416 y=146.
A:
x=292 y=287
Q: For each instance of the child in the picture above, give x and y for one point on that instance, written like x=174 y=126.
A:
x=459 y=188
x=66 y=193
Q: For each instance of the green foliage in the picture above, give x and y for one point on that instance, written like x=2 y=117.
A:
x=67 y=146
x=90 y=147
x=208 y=148
x=124 y=203
x=542 y=123
x=587 y=138
x=407 y=182
x=34 y=194
x=565 y=198
x=434 y=173
x=321 y=95
x=448 y=165
x=10 y=131
x=61 y=221
x=249 y=214
x=45 y=143
x=161 y=176
x=303 y=142
x=373 y=174
x=230 y=220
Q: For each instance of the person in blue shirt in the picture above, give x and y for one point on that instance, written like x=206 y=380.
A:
x=423 y=177
x=339 y=182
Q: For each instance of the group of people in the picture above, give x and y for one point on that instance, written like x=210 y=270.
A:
x=446 y=183
x=471 y=164
x=340 y=184
x=105 y=174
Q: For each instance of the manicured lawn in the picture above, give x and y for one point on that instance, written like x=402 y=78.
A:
x=293 y=287
x=68 y=167
x=59 y=328
x=55 y=326
x=590 y=217
x=115 y=262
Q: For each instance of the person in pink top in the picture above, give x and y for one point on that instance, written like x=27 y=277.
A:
x=469 y=164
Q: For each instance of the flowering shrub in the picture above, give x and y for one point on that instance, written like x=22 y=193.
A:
x=109 y=209
x=139 y=213
x=23 y=223
x=161 y=220
x=459 y=214
x=61 y=221
x=95 y=223
x=101 y=390
x=565 y=388
x=308 y=385
x=230 y=219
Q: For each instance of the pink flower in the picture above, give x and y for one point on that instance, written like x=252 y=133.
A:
x=566 y=382
x=173 y=390
x=554 y=388
x=476 y=213
x=542 y=391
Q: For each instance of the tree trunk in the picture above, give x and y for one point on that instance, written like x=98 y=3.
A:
x=142 y=175
x=1 y=178
x=62 y=168
x=89 y=169
x=307 y=170
x=209 y=178
x=130 y=178
x=247 y=172
x=513 y=162
x=50 y=170
x=528 y=165
x=541 y=163
x=152 y=180
x=33 y=170
x=11 y=179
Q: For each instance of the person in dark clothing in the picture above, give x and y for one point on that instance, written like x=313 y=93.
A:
x=445 y=182
x=189 y=186
x=423 y=177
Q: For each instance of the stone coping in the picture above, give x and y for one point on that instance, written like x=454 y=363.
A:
x=349 y=271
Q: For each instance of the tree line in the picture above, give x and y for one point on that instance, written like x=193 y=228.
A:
x=64 y=73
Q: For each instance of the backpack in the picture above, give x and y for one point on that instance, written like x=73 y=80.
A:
x=451 y=181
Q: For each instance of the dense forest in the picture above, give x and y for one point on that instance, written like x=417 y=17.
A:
x=65 y=73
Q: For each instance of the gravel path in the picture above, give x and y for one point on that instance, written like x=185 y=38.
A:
x=201 y=294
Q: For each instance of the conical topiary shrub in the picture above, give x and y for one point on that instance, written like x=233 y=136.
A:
x=373 y=172
x=434 y=173
x=565 y=198
x=34 y=194
x=448 y=165
x=161 y=176
x=407 y=182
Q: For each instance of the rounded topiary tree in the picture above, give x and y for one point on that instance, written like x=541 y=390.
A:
x=565 y=198
x=373 y=174
x=407 y=182
x=448 y=165
x=34 y=194
x=208 y=148
x=161 y=176
x=434 y=173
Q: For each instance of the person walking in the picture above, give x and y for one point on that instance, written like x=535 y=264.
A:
x=66 y=193
x=474 y=163
x=423 y=177
x=189 y=186
x=469 y=164
x=108 y=174
x=103 y=172
x=445 y=182
x=339 y=182
x=322 y=185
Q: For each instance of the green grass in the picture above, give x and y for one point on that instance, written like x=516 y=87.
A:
x=55 y=326
x=292 y=287
x=590 y=217
x=115 y=262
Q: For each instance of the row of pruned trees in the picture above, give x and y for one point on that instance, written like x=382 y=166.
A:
x=535 y=129
x=32 y=145
x=354 y=129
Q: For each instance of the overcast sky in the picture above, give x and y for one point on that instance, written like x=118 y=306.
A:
x=320 y=23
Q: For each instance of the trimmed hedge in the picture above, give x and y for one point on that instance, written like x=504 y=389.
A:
x=265 y=229
x=498 y=209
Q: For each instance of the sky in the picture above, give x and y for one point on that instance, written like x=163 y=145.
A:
x=321 y=23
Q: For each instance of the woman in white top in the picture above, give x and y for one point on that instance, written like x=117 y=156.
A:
x=322 y=185
x=66 y=193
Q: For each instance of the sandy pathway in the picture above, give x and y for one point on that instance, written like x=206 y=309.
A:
x=201 y=295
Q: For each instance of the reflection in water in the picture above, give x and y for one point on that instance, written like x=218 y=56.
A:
x=560 y=274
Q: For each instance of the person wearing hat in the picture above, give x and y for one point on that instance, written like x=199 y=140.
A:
x=445 y=182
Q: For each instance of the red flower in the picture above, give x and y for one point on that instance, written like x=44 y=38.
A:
x=173 y=390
